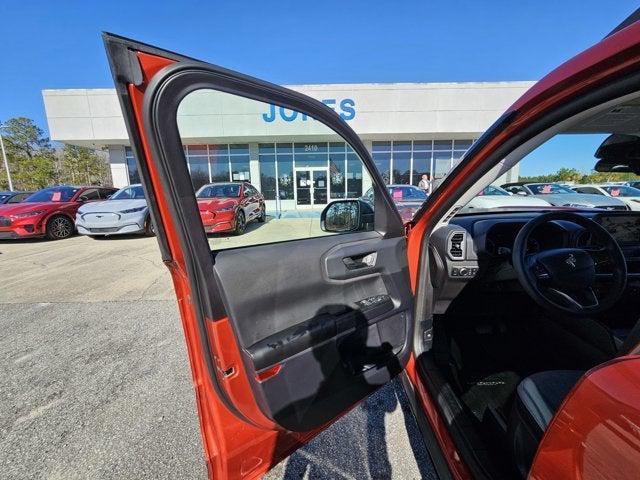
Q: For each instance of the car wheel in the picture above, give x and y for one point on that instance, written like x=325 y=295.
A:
x=241 y=223
x=263 y=214
x=59 y=227
x=149 y=229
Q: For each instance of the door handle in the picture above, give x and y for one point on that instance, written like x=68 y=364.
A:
x=360 y=261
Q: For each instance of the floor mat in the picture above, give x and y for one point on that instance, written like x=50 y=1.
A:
x=490 y=392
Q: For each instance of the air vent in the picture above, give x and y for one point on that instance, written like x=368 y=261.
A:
x=456 y=245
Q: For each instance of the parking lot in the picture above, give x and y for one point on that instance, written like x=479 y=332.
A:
x=96 y=384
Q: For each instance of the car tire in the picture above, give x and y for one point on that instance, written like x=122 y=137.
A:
x=149 y=229
x=263 y=214
x=241 y=223
x=59 y=227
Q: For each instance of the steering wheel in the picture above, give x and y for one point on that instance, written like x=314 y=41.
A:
x=564 y=279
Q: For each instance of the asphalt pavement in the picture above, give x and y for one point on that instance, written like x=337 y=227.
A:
x=95 y=380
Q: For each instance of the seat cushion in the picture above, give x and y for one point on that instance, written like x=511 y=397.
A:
x=538 y=397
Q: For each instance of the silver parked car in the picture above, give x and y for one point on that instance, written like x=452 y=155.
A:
x=562 y=196
x=125 y=212
x=624 y=193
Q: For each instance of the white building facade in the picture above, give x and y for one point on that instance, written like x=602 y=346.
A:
x=410 y=130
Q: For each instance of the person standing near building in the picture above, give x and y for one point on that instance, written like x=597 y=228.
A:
x=425 y=183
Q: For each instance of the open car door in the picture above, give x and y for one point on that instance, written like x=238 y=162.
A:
x=289 y=329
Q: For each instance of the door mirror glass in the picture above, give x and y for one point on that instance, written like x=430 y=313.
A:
x=347 y=216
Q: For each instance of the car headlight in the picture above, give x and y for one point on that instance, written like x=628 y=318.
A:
x=132 y=210
x=34 y=213
x=227 y=209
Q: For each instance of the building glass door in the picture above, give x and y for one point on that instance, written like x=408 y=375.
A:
x=320 y=186
x=312 y=187
x=303 y=187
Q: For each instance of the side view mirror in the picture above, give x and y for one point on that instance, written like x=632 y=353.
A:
x=347 y=216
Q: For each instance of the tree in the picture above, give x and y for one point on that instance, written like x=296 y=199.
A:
x=23 y=138
x=82 y=165
x=29 y=154
x=34 y=164
x=572 y=175
x=33 y=173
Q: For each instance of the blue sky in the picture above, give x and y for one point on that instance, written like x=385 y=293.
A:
x=48 y=44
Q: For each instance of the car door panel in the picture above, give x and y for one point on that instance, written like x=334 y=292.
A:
x=330 y=332
x=282 y=337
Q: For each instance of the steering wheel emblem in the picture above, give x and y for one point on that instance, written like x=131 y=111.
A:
x=571 y=260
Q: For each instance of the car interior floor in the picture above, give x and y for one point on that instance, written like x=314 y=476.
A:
x=487 y=343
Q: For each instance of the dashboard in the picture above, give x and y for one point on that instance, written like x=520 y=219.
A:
x=624 y=228
x=478 y=247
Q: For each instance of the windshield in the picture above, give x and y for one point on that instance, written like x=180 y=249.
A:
x=129 y=193
x=224 y=190
x=401 y=193
x=54 y=194
x=548 y=188
x=4 y=196
x=621 y=191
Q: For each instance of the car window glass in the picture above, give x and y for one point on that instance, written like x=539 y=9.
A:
x=105 y=193
x=621 y=191
x=402 y=192
x=17 y=198
x=491 y=190
x=91 y=194
x=129 y=193
x=296 y=166
x=561 y=172
x=55 y=194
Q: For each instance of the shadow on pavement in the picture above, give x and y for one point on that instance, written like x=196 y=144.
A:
x=361 y=443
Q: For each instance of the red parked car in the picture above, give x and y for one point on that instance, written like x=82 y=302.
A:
x=49 y=212
x=229 y=206
x=510 y=331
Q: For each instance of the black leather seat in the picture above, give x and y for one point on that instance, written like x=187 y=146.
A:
x=538 y=397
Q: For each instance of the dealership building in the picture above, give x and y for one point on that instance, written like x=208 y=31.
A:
x=410 y=129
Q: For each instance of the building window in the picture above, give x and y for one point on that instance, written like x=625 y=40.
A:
x=337 y=170
x=217 y=163
x=132 y=166
x=405 y=161
x=381 y=153
x=401 y=158
x=239 y=162
x=354 y=174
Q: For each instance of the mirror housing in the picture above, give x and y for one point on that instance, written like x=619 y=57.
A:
x=342 y=216
x=619 y=153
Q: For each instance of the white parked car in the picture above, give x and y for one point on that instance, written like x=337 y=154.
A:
x=624 y=193
x=496 y=197
x=126 y=211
